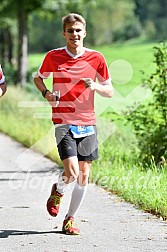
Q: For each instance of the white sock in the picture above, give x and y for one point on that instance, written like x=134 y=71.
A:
x=61 y=185
x=77 y=197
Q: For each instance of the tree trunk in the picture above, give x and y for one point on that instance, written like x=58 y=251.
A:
x=10 y=47
x=2 y=46
x=22 y=43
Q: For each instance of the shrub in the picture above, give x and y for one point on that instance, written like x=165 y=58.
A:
x=149 y=120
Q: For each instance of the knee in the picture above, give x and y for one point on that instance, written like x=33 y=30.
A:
x=84 y=172
x=71 y=176
x=83 y=180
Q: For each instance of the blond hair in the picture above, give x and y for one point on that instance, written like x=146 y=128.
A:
x=71 y=18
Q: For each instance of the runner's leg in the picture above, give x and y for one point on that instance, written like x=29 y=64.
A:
x=80 y=188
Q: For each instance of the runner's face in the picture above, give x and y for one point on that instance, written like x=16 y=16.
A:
x=74 y=34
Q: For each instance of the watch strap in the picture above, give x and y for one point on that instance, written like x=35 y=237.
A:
x=44 y=92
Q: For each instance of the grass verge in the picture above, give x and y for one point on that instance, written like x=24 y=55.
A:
x=117 y=169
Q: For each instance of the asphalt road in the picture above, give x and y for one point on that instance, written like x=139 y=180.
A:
x=107 y=223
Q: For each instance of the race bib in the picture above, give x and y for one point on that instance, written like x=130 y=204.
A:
x=81 y=131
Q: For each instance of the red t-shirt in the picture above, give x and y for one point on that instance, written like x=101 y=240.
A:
x=76 y=104
x=2 y=77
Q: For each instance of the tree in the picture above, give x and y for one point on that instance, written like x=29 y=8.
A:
x=24 y=8
x=6 y=34
x=112 y=21
x=6 y=45
x=155 y=13
x=19 y=10
x=22 y=17
x=50 y=21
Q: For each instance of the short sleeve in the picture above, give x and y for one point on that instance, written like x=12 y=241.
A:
x=103 y=74
x=46 y=67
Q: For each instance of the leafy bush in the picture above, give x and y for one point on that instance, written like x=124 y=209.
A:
x=127 y=31
x=10 y=74
x=150 y=119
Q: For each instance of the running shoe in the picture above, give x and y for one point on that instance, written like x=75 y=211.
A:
x=69 y=226
x=54 y=201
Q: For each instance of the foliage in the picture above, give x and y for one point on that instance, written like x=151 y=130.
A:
x=17 y=10
x=10 y=74
x=150 y=119
x=117 y=22
x=107 y=21
x=154 y=13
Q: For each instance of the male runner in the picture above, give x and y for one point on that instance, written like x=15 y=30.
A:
x=75 y=71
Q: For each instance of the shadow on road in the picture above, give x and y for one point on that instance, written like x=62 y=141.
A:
x=7 y=233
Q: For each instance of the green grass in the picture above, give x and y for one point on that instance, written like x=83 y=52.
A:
x=20 y=124
x=122 y=174
x=118 y=168
x=139 y=56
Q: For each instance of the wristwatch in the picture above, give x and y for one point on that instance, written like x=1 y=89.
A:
x=44 y=92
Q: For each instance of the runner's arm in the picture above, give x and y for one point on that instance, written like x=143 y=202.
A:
x=42 y=87
x=103 y=90
x=3 y=89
